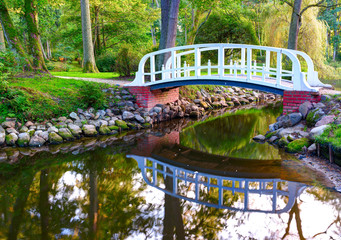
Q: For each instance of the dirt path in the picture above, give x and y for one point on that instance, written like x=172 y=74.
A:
x=119 y=83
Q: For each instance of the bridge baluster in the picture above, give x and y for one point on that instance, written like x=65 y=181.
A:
x=279 y=69
x=152 y=68
x=163 y=71
x=221 y=61
x=243 y=60
x=263 y=72
x=185 y=68
x=197 y=57
x=267 y=62
x=231 y=66
x=235 y=68
x=209 y=67
x=178 y=62
x=249 y=64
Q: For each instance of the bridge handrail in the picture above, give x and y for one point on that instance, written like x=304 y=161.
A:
x=174 y=69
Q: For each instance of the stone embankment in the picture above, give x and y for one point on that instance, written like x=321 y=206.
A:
x=122 y=115
x=297 y=132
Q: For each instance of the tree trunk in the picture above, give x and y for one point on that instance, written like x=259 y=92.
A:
x=48 y=49
x=44 y=204
x=165 y=4
x=97 y=32
x=88 y=49
x=42 y=48
x=295 y=25
x=172 y=23
x=11 y=35
x=93 y=208
x=31 y=17
x=2 y=40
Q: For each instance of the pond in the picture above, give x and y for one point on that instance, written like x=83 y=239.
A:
x=179 y=180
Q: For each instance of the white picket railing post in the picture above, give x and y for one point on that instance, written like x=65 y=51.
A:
x=152 y=68
x=197 y=62
x=243 y=61
x=248 y=64
x=185 y=66
x=163 y=71
x=231 y=66
x=279 y=69
x=209 y=67
x=267 y=62
x=235 y=69
x=263 y=72
x=221 y=61
x=173 y=64
x=255 y=67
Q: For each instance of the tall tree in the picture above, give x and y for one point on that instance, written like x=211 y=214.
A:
x=12 y=35
x=2 y=40
x=296 y=18
x=169 y=23
x=89 y=63
x=35 y=48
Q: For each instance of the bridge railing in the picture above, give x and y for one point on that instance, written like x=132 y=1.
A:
x=219 y=191
x=187 y=63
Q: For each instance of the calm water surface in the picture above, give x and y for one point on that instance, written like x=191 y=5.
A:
x=203 y=180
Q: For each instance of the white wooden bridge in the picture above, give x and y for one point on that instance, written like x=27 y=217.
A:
x=212 y=190
x=232 y=65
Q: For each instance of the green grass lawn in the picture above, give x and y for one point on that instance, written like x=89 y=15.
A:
x=105 y=75
x=47 y=97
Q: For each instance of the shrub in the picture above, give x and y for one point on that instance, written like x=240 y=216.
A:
x=92 y=96
x=127 y=60
x=10 y=64
x=106 y=62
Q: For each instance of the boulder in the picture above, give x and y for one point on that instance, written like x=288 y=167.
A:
x=104 y=130
x=36 y=141
x=283 y=141
x=54 y=138
x=314 y=116
x=304 y=108
x=8 y=124
x=273 y=139
x=139 y=118
x=11 y=139
x=121 y=124
x=75 y=130
x=127 y=115
x=291 y=119
x=66 y=134
x=23 y=129
x=2 y=135
x=44 y=135
x=317 y=131
x=23 y=139
x=74 y=116
x=312 y=148
x=89 y=130
x=52 y=129
x=11 y=130
x=259 y=138
x=325 y=120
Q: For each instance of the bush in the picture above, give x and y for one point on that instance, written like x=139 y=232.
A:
x=92 y=96
x=10 y=64
x=127 y=60
x=106 y=62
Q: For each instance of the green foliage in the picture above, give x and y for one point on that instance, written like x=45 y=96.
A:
x=92 y=95
x=128 y=59
x=108 y=75
x=106 y=62
x=10 y=64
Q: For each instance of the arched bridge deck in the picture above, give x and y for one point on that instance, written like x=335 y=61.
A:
x=277 y=70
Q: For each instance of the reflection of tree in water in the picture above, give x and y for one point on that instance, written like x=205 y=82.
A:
x=42 y=206
x=228 y=134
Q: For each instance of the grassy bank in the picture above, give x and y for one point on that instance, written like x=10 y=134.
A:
x=42 y=98
x=105 y=75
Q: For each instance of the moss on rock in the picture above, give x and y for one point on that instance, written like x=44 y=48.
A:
x=54 y=138
x=297 y=145
x=283 y=142
x=121 y=124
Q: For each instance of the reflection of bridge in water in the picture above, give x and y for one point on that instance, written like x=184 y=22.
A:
x=217 y=190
